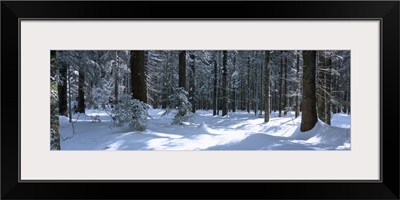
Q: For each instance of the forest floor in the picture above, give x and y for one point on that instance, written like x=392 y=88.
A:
x=238 y=131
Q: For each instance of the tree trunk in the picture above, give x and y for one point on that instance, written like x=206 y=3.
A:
x=328 y=90
x=248 y=86
x=286 y=87
x=266 y=87
x=321 y=86
x=116 y=79
x=234 y=83
x=215 y=99
x=81 y=92
x=276 y=95
x=69 y=94
x=62 y=89
x=261 y=105
x=138 y=76
x=224 y=83
x=280 y=87
x=192 y=84
x=54 y=120
x=309 y=115
x=182 y=69
x=297 y=85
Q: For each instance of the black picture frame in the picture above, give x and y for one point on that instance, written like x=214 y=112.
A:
x=386 y=11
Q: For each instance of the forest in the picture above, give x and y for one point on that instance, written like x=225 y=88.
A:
x=200 y=100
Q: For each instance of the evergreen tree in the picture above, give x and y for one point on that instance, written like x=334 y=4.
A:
x=309 y=116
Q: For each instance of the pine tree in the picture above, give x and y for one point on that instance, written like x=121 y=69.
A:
x=321 y=86
x=138 y=76
x=54 y=121
x=180 y=102
x=62 y=89
x=182 y=69
x=266 y=74
x=215 y=97
x=297 y=85
x=192 y=81
x=224 y=84
x=309 y=115
x=130 y=112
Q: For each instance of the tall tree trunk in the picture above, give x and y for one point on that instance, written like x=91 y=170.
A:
x=138 y=76
x=266 y=87
x=297 y=84
x=224 y=83
x=309 y=116
x=321 y=86
x=215 y=99
x=54 y=113
x=69 y=94
x=276 y=95
x=192 y=84
x=261 y=105
x=248 y=86
x=116 y=79
x=182 y=69
x=234 y=83
x=328 y=90
x=62 y=89
x=81 y=92
x=280 y=87
x=286 y=87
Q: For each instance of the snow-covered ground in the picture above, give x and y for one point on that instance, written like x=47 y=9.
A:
x=238 y=131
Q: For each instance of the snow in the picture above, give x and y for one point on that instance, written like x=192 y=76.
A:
x=239 y=131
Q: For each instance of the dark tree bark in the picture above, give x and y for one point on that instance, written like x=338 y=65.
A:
x=266 y=74
x=224 y=83
x=116 y=79
x=192 y=83
x=81 y=92
x=285 y=99
x=234 y=82
x=248 y=86
x=297 y=85
x=309 y=116
x=328 y=90
x=276 y=95
x=62 y=89
x=215 y=99
x=54 y=120
x=321 y=87
x=138 y=76
x=280 y=87
x=182 y=69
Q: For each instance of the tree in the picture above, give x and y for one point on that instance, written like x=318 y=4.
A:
x=130 y=112
x=321 y=86
x=81 y=92
x=224 y=84
x=266 y=73
x=309 y=115
x=215 y=97
x=182 y=69
x=62 y=88
x=286 y=86
x=328 y=77
x=183 y=107
x=192 y=81
x=116 y=77
x=280 y=87
x=235 y=83
x=138 y=76
x=54 y=122
x=297 y=85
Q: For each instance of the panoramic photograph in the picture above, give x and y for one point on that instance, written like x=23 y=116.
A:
x=200 y=100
